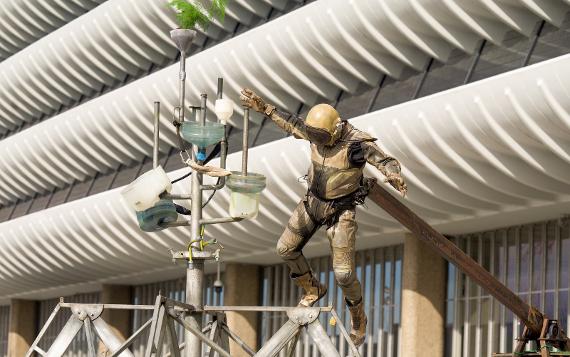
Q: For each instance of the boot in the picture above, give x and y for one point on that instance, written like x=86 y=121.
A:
x=314 y=290
x=359 y=321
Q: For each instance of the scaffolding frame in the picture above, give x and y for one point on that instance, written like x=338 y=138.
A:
x=162 y=330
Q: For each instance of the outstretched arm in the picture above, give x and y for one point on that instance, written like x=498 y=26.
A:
x=389 y=166
x=288 y=122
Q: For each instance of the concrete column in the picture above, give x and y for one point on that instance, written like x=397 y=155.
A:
x=242 y=287
x=119 y=320
x=23 y=326
x=423 y=300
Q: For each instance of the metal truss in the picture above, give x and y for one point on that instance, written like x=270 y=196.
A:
x=163 y=338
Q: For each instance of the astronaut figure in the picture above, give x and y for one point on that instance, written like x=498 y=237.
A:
x=339 y=153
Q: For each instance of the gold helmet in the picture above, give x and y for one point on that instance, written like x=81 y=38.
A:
x=323 y=124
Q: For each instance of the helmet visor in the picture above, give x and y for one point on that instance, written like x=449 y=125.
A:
x=318 y=136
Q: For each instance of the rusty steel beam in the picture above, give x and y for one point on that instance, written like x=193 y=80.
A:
x=530 y=316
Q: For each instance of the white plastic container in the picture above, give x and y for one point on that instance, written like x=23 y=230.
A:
x=245 y=194
x=143 y=193
x=224 y=108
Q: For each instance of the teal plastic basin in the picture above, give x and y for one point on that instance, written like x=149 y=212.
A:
x=202 y=135
x=153 y=218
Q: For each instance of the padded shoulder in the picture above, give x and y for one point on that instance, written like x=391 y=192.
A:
x=355 y=135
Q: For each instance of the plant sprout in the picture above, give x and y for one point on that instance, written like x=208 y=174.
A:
x=191 y=14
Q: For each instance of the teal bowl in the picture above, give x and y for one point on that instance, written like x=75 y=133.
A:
x=202 y=135
x=153 y=218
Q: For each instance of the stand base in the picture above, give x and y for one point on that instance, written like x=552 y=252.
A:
x=551 y=342
x=163 y=338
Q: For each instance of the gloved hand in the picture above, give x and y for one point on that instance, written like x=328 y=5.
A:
x=397 y=181
x=251 y=100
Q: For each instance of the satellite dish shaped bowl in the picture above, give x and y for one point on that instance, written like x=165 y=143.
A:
x=245 y=193
x=152 y=219
x=202 y=135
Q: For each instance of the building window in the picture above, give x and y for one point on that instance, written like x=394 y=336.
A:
x=4 y=325
x=529 y=259
x=379 y=271
x=79 y=345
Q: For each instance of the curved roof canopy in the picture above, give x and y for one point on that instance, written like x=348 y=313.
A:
x=298 y=58
x=489 y=154
x=312 y=52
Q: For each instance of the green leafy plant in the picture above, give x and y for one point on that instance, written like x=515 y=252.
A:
x=191 y=14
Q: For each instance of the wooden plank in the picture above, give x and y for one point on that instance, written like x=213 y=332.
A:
x=422 y=230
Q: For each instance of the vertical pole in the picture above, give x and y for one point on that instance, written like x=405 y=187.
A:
x=195 y=271
x=224 y=143
x=220 y=87
x=245 y=141
x=156 y=134
x=182 y=82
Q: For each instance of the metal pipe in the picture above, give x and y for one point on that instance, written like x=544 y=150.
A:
x=195 y=268
x=177 y=196
x=345 y=334
x=131 y=339
x=203 y=108
x=200 y=337
x=43 y=330
x=195 y=110
x=321 y=339
x=182 y=84
x=223 y=148
x=194 y=290
x=176 y=224
x=220 y=87
x=156 y=135
x=238 y=340
x=245 y=141
x=220 y=220
x=279 y=340
x=531 y=317
x=208 y=308
x=111 y=306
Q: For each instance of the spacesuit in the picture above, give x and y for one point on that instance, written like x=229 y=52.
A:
x=339 y=153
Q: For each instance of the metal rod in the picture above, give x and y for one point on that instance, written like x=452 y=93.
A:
x=238 y=340
x=279 y=339
x=322 y=340
x=423 y=231
x=245 y=141
x=177 y=196
x=195 y=268
x=112 y=306
x=89 y=337
x=202 y=222
x=182 y=83
x=220 y=88
x=345 y=334
x=203 y=108
x=172 y=337
x=259 y=308
x=108 y=337
x=44 y=329
x=130 y=340
x=176 y=224
x=223 y=146
x=156 y=135
x=200 y=337
x=220 y=220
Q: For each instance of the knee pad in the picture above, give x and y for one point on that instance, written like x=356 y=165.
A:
x=344 y=278
x=284 y=251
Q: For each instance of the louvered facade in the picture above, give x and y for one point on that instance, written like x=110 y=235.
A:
x=472 y=97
